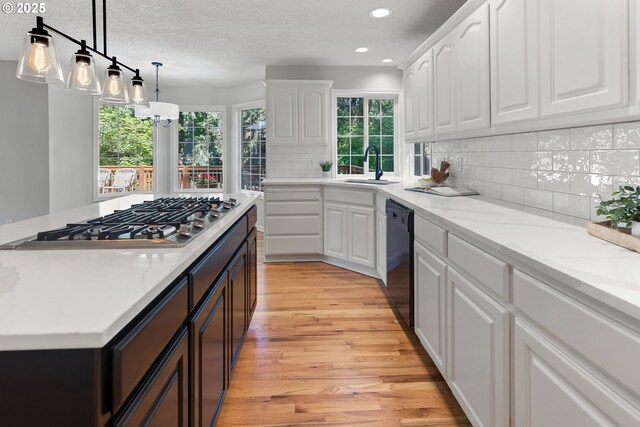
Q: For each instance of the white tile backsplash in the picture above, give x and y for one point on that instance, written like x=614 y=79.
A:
x=562 y=172
x=296 y=160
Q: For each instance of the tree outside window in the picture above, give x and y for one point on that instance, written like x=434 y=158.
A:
x=200 y=150
x=253 y=148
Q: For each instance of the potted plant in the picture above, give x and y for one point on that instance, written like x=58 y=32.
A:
x=205 y=181
x=326 y=169
x=623 y=209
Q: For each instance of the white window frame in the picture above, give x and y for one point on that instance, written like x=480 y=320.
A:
x=398 y=149
x=175 y=188
x=97 y=196
x=237 y=137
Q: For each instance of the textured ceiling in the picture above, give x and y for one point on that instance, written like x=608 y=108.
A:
x=228 y=42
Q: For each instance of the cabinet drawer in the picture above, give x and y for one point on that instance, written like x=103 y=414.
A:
x=287 y=225
x=293 y=194
x=607 y=344
x=293 y=245
x=430 y=235
x=348 y=196
x=486 y=269
x=134 y=354
x=207 y=270
x=381 y=203
x=305 y=207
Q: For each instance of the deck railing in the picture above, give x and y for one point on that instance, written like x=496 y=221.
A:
x=186 y=177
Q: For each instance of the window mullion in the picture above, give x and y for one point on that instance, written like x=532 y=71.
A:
x=366 y=132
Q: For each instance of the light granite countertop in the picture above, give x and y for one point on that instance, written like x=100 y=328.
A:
x=83 y=298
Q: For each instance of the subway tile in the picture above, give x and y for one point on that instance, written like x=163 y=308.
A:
x=633 y=181
x=592 y=138
x=538 y=199
x=317 y=148
x=554 y=181
x=501 y=143
x=571 y=204
x=525 y=178
x=492 y=189
x=482 y=174
x=615 y=162
x=513 y=159
x=501 y=175
x=591 y=185
x=554 y=140
x=626 y=135
x=282 y=148
x=525 y=141
x=538 y=160
x=512 y=193
x=571 y=161
x=476 y=186
x=483 y=144
x=290 y=157
x=300 y=149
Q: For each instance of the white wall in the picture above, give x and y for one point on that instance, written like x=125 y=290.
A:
x=362 y=78
x=24 y=166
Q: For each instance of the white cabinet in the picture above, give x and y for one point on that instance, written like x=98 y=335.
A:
x=361 y=236
x=335 y=230
x=409 y=98
x=430 y=284
x=514 y=60
x=298 y=111
x=381 y=245
x=583 y=55
x=477 y=352
x=551 y=390
x=471 y=54
x=443 y=86
x=424 y=99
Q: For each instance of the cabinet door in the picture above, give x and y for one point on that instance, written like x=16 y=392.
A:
x=237 y=291
x=514 y=60
x=361 y=236
x=472 y=70
x=477 y=352
x=381 y=245
x=409 y=95
x=424 y=95
x=312 y=113
x=551 y=390
x=430 y=275
x=282 y=113
x=252 y=275
x=584 y=55
x=164 y=398
x=209 y=347
x=443 y=86
x=335 y=230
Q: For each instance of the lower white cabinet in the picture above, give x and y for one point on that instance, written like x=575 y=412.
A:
x=430 y=285
x=477 y=352
x=551 y=390
x=335 y=230
x=381 y=245
x=361 y=238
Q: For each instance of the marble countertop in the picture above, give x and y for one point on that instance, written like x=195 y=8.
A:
x=562 y=251
x=83 y=298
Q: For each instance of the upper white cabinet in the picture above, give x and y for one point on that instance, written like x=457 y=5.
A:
x=514 y=60
x=443 y=86
x=424 y=100
x=471 y=53
x=583 y=55
x=409 y=97
x=298 y=111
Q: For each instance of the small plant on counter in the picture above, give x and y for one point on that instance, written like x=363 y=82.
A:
x=623 y=209
x=326 y=166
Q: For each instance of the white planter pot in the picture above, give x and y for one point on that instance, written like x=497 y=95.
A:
x=326 y=174
x=635 y=228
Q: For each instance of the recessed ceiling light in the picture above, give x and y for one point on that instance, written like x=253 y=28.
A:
x=362 y=49
x=388 y=60
x=381 y=12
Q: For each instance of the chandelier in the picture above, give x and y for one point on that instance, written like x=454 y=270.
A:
x=160 y=113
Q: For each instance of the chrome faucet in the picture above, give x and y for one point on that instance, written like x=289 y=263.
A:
x=379 y=172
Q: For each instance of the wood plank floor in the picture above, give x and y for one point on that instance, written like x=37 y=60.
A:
x=324 y=348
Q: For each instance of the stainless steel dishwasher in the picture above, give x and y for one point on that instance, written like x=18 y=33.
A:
x=400 y=259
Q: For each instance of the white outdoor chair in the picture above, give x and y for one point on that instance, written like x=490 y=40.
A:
x=122 y=179
x=103 y=178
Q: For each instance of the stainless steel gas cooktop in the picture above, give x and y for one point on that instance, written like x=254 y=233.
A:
x=165 y=222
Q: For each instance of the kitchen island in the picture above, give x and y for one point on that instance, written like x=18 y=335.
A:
x=116 y=336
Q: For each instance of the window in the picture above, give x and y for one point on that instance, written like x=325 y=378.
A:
x=364 y=121
x=125 y=151
x=253 y=135
x=422 y=159
x=200 y=149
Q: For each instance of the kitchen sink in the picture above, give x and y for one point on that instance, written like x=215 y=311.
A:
x=370 y=181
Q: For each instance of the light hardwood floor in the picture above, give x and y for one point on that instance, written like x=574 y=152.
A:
x=324 y=348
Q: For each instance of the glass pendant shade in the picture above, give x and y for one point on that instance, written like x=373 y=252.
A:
x=82 y=73
x=114 y=89
x=138 y=92
x=39 y=59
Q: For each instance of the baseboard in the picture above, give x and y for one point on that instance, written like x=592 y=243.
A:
x=367 y=271
x=293 y=258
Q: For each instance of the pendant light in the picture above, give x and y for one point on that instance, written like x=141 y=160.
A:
x=39 y=59
x=162 y=113
x=82 y=74
x=114 y=89
x=138 y=92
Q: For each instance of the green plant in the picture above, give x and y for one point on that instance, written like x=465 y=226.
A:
x=624 y=206
x=326 y=166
